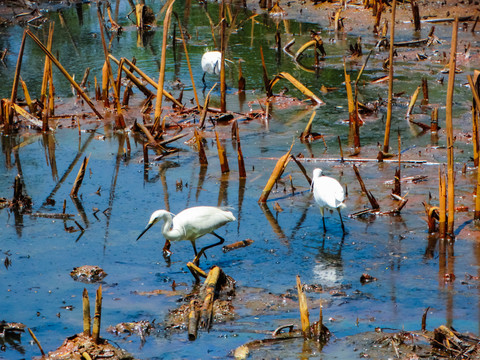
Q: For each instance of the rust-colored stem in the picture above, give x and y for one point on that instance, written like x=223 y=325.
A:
x=449 y=126
x=222 y=155
x=98 y=316
x=86 y=313
x=386 y=139
x=304 y=315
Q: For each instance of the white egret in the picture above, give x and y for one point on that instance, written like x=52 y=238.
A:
x=190 y=224
x=211 y=63
x=328 y=193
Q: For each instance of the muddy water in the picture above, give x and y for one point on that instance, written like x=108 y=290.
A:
x=37 y=289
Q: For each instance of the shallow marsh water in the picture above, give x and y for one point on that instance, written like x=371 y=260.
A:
x=37 y=287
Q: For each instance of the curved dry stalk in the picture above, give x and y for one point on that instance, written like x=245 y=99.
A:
x=303 y=89
x=302 y=49
x=276 y=173
x=201 y=123
x=413 y=100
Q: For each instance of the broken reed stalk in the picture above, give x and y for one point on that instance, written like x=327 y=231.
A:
x=302 y=169
x=83 y=83
x=242 y=174
x=276 y=174
x=187 y=57
x=139 y=15
x=16 y=78
x=108 y=66
x=13 y=98
x=341 y=150
x=151 y=139
x=222 y=155
x=308 y=128
x=105 y=85
x=303 y=89
x=86 y=356
x=98 y=316
x=79 y=178
x=241 y=79
x=161 y=76
x=86 y=313
x=202 y=157
x=126 y=94
x=192 y=321
x=47 y=68
x=362 y=69
x=424 y=319
x=206 y=312
x=36 y=341
x=449 y=128
x=266 y=80
x=442 y=223
x=348 y=86
x=147 y=78
x=28 y=99
x=203 y=115
x=434 y=120
x=474 y=24
x=237 y=245
x=118 y=82
x=338 y=25
x=386 y=139
x=413 y=100
x=397 y=188
x=425 y=91
x=416 y=16
x=196 y=271
x=51 y=100
x=430 y=212
x=475 y=112
x=65 y=73
x=477 y=199
x=145 y=155
x=304 y=315
x=371 y=198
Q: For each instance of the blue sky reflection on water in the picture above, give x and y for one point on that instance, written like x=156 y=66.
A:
x=394 y=249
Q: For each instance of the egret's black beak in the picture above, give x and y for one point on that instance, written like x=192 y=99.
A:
x=145 y=230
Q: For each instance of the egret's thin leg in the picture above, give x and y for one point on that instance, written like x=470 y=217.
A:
x=323 y=220
x=194 y=247
x=203 y=80
x=202 y=250
x=166 y=248
x=341 y=220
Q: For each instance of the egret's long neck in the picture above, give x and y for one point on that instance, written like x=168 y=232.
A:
x=167 y=225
